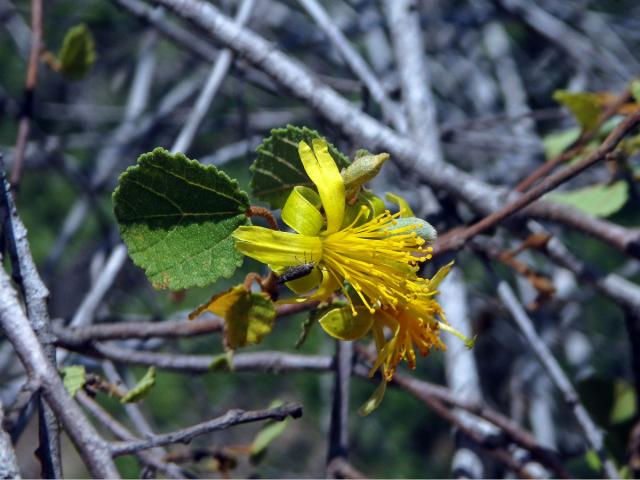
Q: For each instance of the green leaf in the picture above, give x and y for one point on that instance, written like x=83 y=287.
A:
x=374 y=400
x=177 y=216
x=142 y=388
x=277 y=168
x=78 y=52
x=596 y=200
x=74 y=378
x=222 y=362
x=593 y=460
x=624 y=407
x=342 y=324
x=556 y=143
x=266 y=436
x=584 y=106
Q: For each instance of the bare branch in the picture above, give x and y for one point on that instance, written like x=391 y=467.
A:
x=339 y=426
x=229 y=419
x=8 y=463
x=93 y=449
x=559 y=378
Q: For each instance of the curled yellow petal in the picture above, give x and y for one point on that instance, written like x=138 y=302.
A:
x=324 y=173
x=301 y=211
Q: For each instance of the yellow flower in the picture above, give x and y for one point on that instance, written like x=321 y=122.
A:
x=414 y=325
x=378 y=258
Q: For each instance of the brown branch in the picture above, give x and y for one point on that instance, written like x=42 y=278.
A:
x=29 y=91
x=229 y=419
x=457 y=238
x=425 y=391
x=576 y=147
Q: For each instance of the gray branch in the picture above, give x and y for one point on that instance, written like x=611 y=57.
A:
x=93 y=450
x=592 y=433
x=229 y=419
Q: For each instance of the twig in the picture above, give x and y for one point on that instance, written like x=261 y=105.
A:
x=93 y=449
x=140 y=423
x=575 y=148
x=79 y=336
x=339 y=426
x=408 y=44
x=273 y=362
x=29 y=91
x=559 y=378
x=356 y=63
x=216 y=76
x=35 y=294
x=367 y=131
x=87 y=309
x=8 y=463
x=457 y=238
x=461 y=370
x=229 y=419
x=121 y=432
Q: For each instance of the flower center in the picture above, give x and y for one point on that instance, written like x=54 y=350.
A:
x=378 y=259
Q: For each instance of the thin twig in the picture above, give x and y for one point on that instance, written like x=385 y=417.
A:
x=216 y=76
x=229 y=419
x=339 y=426
x=592 y=432
x=29 y=91
x=457 y=238
x=122 y=433
x=391 y=111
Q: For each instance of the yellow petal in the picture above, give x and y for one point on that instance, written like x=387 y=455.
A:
x=403 y=205
x=324 y=173
x=301 y=211
x=306 y=283
x=277 y=248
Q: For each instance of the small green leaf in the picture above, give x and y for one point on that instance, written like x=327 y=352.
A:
x=177 y=216
x=624 y=407
x=584 y=106
x=342 y=324
x=142 y=388
x=74 y=378
x=266 y=436
x=596 y=200
x=556 y=143
x=307 y=325
x=592 y=459
x=277 y=168
x=78 y=52
x=374 y=400
x=222 y=362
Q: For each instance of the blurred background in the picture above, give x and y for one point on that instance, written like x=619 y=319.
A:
x=492 y=67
